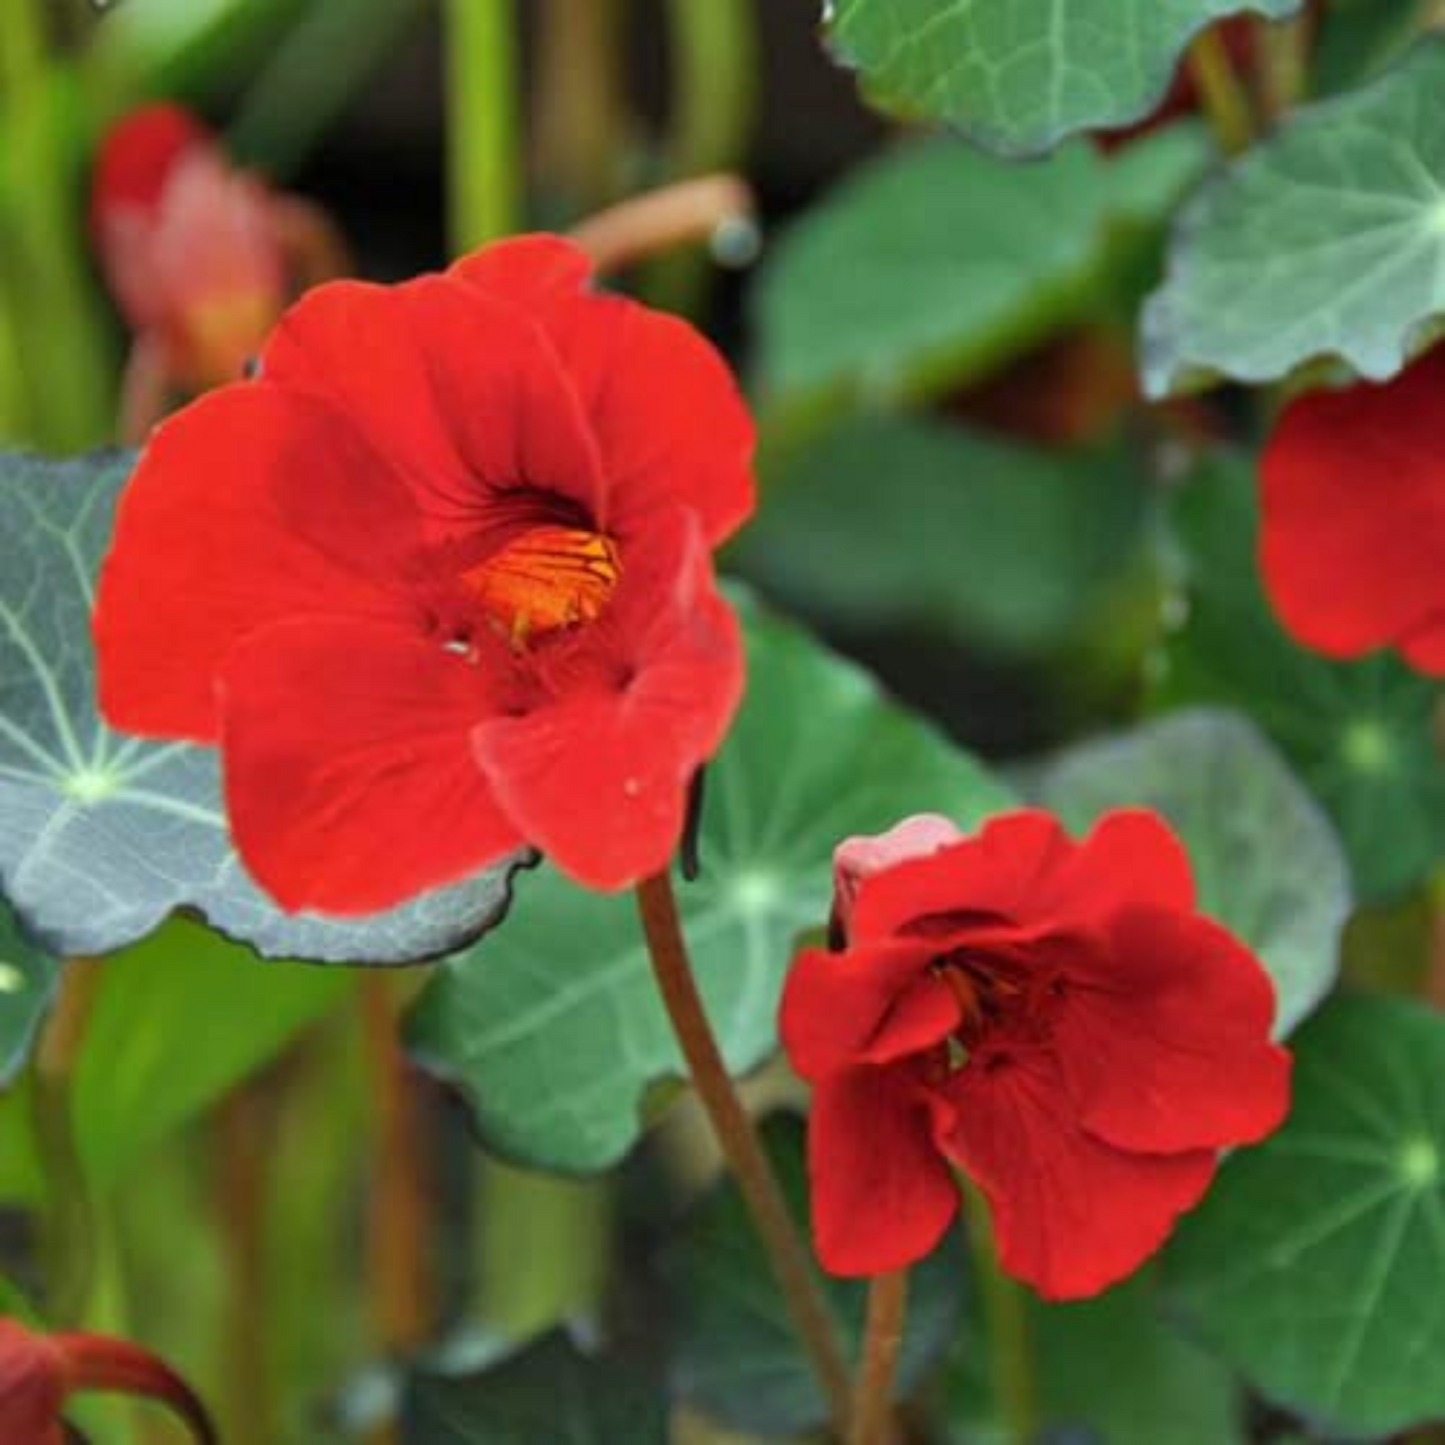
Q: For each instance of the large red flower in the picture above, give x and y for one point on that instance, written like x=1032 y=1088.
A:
x=1053 y=1018
x=439 y=581
x=1352 y=543
x=39 y=1372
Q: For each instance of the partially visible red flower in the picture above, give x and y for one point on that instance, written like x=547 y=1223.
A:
x=1352 y=535
x=200 y=256
x=439 y=582
x=38 y=1373
x=1052 y=1017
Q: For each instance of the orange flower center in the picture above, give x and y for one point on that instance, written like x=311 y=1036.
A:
x=546 y=578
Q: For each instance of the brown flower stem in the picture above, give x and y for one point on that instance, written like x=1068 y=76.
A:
x=1225 y=100
x=882 y=1339
x=403 y=1289
x=145 y=390
x=739 y=1142
x=648 y=225
x=69 y=1225
x=1006 y=1309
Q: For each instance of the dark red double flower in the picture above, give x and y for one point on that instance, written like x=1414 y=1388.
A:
x=1053 y=1018
x=439 y=582
x=1352 y=538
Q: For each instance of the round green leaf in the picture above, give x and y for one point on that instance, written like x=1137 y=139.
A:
x=1019 y=75
x=548 y=1392
x=552 y=1027
x=737 y=1357
x=102 y=836
x=1359 y=734
x=1314 y=1263
x=1328 y=240
x=27 y=979
x=1266 y=861
x=897 y=521
x=933 y=263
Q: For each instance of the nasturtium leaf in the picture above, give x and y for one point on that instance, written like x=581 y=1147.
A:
x=102 y=835
x=27 y=978
x=1019 y=75
x=1356 y=39
x=1326 y=241
x=1314 y=1262
x=893 y=521
x=550 y=1391
x=1265 y=858
x=737 y=1357
x=1358 y=733
x=552 y=1027
x=933 y=263
x=177 y=1021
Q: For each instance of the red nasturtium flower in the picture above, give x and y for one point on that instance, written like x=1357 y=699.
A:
x=38 y=1373
x=194 y=251
x=1053 y=1018
x=1352 y=536
x=439 y=581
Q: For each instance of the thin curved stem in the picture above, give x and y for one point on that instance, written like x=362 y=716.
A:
x=739 y=1142
x=1225 y=100
x=650 y=224
x=882 y=1340
x=69 y=1225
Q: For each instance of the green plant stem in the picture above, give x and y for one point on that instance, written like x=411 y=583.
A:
x=543 y=1248
x=1006 y=1309
x=1283 y=64
x=403 y=1288
x=1225 y=100
x=69 y=1226
x=484 y=159
x=740 y=1144
x=882 y=1340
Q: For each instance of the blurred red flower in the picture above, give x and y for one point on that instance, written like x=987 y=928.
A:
x=195 y=252
x=439 y=582
x=39 y=1372
x=1053 y=1018
x=1352 y=537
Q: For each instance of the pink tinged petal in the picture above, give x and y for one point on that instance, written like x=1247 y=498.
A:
x=882 y=1194
x=873 y=1003
x=858 y=858
x=1164 y=1036
x=215 y=539
x=1071 y=1214
x=350 y=781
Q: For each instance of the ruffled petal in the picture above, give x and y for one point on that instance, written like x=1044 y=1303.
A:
x=464 y=395
x=1163 y=1037
x=670 y=422
x=874 y=1003
x=350 y=780
x=1352 y=537
x=214 y=538
x=882 y=1194
x=1072 y=1215
x=597 y=776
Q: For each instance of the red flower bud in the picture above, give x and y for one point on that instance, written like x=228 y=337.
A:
x=1052 y=1017
x=38 y=1373
x=857 y=859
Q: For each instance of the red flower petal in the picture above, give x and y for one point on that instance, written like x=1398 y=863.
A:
x=461 y=394
x=1164 y=1039
x=597 y=778
x=671 y=425
x=137 y=155
x=1352 y=542
x=350 y=780
x=882 y=1194
x=1072 y=1215
x=213 y=539
x=874 y=1003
